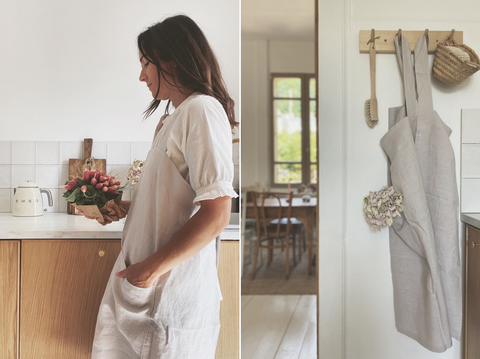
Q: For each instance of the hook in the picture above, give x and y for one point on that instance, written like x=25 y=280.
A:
x=399 y=33
x=426 y=32
x=373 y=38
x=452 y=34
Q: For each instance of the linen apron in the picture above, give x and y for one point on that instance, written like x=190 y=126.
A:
x=424 y=242
x=177 y=317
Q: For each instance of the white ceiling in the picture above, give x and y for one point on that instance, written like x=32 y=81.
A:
x=278 y=20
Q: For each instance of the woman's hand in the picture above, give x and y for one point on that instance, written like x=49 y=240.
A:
x=138 y=275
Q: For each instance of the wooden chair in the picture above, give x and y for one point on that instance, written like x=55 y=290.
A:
x=266 y=231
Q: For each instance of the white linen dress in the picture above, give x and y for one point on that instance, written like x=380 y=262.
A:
x=177 y=317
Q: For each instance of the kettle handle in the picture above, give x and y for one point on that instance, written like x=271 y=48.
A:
x=49 y=195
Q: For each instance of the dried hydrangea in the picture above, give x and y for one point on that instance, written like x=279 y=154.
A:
x=381 y=207
x=135 y=171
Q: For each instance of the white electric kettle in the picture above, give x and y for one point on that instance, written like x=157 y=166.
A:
x=28 y=201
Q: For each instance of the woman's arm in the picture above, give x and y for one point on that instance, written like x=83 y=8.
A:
x=205 y=225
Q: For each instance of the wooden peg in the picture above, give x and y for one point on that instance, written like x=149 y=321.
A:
x=426 y=32
x=399 y=33
x=452 y=34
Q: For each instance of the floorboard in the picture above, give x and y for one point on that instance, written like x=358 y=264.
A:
x=279 y=327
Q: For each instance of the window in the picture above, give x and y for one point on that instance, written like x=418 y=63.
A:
x=294 y=129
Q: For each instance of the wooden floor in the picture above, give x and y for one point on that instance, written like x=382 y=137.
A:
x=271 y=279
x=279 y=327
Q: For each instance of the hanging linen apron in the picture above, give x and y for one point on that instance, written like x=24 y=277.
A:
x=424 y=241
x=177 y=317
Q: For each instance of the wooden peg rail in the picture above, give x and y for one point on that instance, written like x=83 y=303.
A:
x=385 y=45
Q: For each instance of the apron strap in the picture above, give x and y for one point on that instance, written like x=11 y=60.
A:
x=404 y=57
x=422 y=74
x=162 y=131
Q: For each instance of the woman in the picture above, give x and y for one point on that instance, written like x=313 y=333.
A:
x=163 y=297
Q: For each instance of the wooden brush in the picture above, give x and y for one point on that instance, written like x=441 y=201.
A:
x=371 y=106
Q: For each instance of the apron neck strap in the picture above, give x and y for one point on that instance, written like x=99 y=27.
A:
x=163 y=131
x=404 y=57
x=422 y=74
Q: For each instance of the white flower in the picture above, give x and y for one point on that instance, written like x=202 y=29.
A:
x=381 y=207
x=135 y=171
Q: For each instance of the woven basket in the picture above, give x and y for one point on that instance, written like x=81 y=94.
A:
x=450 y=68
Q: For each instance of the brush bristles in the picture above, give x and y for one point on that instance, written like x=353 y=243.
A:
x=371 y=112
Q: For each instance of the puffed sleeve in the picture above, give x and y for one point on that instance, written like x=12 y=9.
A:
x=208 y=150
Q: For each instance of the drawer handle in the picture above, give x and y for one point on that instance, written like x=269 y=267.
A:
x=101 y=253
x=475 y=244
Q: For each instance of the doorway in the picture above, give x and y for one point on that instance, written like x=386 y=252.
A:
x=279 y=138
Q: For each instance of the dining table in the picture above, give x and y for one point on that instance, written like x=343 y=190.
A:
x=302 y=211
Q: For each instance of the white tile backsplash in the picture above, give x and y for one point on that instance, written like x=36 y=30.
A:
x=470 y=166
x=470 y=126
x=61 y=202
x=5 y=200
x=47 y=153
x=5 y=152
x=63 y=175
x=47 y=176
x=5 y=176
x=139 y=151
x=99 y=150
x=470 y=195
x=23 y=152
x=70 y=149
x=118 y=153
x=21 y=173
x=46 y=164
x=471 y=160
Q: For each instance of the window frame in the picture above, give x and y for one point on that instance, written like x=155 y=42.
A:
x=305 y=100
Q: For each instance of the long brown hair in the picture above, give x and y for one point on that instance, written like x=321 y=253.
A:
x=179 y=39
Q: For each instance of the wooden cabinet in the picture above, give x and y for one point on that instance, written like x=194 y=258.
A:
x=472 y=293
x=49 y=299
x=62 y=283
x=228 y=276
x=9 y=297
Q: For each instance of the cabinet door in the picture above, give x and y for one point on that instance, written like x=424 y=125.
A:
x=228 y=276
x=62 y=283
x=472 y=320
x=9 y=295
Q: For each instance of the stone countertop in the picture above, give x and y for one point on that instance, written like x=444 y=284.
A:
x=67 y=226
x=472 y=219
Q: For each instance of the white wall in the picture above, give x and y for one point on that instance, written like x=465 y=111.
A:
x=69 y=70
x=356 y=299
x=260 y=58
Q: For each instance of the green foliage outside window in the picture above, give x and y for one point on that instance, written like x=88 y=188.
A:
x=289 y=146
x=287 y=87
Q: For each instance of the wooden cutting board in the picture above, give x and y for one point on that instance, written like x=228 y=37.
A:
x=77 y=166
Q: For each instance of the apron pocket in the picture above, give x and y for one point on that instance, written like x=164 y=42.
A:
x=133 y=308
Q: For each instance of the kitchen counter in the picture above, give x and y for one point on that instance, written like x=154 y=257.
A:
x=62 y=225
x=472 y=219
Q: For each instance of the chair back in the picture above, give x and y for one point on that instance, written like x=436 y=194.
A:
x=262 y=200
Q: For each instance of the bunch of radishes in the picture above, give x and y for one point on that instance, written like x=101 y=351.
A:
x=93 y=188
x=104 y=182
